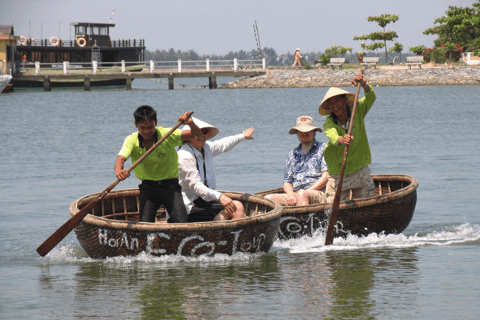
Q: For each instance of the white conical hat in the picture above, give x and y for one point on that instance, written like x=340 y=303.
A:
x=212 y=131
x=332 y=92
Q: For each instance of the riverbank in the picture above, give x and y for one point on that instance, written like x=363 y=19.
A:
x=382 y=76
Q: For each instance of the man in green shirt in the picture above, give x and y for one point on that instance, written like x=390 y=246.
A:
x=338 y=104
x=159 y=170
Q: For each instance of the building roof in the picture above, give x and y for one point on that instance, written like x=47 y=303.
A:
x=6 y=30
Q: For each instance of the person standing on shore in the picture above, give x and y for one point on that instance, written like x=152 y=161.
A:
x=297 y=58
x=338 y=105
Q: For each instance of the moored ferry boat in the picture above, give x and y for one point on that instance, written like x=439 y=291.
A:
x=92 y=42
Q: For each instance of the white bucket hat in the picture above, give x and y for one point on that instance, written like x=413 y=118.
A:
x=333 y=92
x=304 y=124
x=298 y=49
x=212 y=131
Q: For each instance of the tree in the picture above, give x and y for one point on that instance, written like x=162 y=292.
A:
x=384 y=36
x=343 y=51
x=333 y=51
x=398 y=48
x=461 y=25
x=418 y=50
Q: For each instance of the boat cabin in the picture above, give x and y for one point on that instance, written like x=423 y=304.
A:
x=93 y=33
x=91 y=42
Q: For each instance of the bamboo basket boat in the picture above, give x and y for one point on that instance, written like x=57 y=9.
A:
x=112 y=229
x=389 y=211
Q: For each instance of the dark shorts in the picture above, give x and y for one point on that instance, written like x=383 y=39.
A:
x=204 y=211
x=155 y=193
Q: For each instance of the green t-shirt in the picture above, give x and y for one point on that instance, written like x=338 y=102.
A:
x=162 y=163
x=359 y=151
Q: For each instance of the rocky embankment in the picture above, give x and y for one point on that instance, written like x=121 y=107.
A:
x=382 y=76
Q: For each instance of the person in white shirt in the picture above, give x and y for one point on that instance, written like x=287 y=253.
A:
x=197 y=176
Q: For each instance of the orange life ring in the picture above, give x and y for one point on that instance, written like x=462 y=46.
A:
x=57 y=42
x=23 y=42
x=81 y=42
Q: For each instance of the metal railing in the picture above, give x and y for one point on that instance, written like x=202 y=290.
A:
x=95 y=67
x=55 y=42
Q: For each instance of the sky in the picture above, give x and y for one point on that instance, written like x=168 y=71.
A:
x=221 y=26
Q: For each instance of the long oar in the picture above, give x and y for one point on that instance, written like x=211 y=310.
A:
x=71 y=223
x=336 y=201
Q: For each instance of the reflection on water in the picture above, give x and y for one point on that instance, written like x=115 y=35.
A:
x=331 y=285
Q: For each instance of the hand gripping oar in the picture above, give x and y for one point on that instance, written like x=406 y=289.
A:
x=336 y=201
x=71 y=223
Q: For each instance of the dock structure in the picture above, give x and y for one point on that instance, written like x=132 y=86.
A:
x=124 y=75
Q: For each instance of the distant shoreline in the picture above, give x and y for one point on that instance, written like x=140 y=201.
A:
x=382 y=76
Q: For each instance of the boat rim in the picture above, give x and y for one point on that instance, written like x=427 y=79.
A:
x=361 y=202
x=275 y=213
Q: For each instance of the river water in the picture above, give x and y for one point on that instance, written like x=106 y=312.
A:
x=58 y=146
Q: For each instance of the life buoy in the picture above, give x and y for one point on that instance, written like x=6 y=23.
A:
x=81 y=42
x=22 y=41
x=57 y=42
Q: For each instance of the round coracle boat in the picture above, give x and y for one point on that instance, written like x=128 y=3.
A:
x=112 y=228
x=389 y=211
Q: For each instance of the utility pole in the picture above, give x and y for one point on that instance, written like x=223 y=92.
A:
x=257 y=39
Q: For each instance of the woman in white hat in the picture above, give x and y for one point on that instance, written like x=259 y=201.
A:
x=338 y=105
x=305 y=174
x=197 y=176
x=297 y=58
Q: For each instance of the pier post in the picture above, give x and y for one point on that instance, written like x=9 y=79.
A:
x=208 y=65
x=212 y=81
x=170 y=82
x=46 y=84
x=66 y=67
x=87 y=83
x=179 y=65
x=94 y=66
x=129 y=83
x=263 y=64
x=235 y=64
x=123 y=66
x=152 y=66
x=37 y=67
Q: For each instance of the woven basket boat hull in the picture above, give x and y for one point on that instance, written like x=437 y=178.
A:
x=112 y=229
x=389 y=211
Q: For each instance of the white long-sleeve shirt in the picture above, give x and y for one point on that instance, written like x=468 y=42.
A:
x=192 y=179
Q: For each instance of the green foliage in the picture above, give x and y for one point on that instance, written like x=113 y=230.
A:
x=460 y=25
x=325 y=58
x=333 y=51
x=343 y=51
x=436 y=54
x=307 y=65
x=360 y=53
x=384 y=19
x=397 y=47
x=418 y=50
x=384 y=36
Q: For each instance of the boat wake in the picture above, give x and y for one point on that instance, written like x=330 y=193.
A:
x=452 y=235
x=448 y=236
x=73 y=254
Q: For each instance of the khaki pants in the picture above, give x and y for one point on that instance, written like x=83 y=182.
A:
x=315 y=196
x=360 y=182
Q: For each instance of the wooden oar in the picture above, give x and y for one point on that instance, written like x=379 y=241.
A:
x=336 y=201
x=71 y=223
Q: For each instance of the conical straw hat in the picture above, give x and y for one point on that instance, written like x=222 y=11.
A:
x=212 y=131
x=332 y=92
